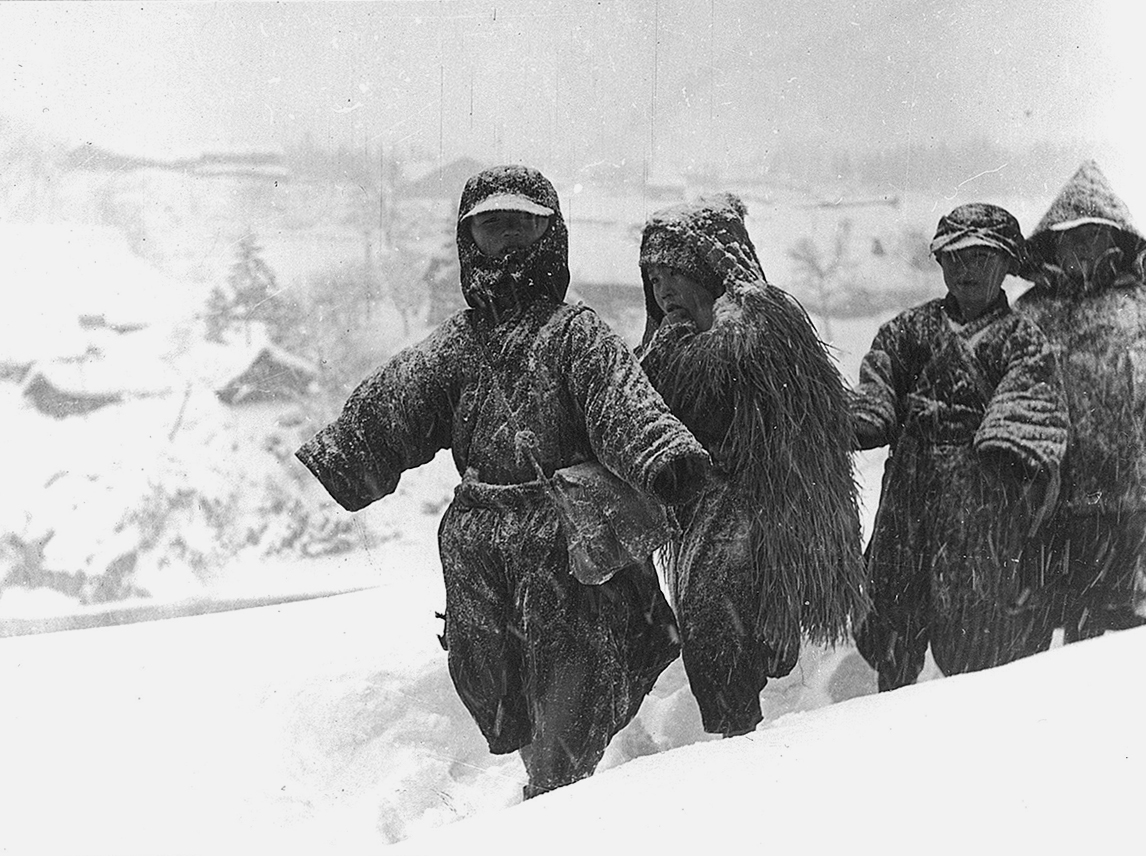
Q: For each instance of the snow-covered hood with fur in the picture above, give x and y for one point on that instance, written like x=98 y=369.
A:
x=503 y=285
x=706 y=239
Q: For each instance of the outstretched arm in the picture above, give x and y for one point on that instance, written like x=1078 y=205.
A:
x=396 y=419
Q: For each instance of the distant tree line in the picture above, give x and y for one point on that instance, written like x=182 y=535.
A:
x=938 y=167
x=345 y=162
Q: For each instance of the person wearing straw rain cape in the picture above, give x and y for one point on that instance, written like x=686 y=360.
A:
x=770 y=551
x=1085 y=258
x=516 y=386
x=968 y=398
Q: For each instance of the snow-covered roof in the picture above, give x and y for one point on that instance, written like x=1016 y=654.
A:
x=594 y=203
x=254 y=169
x=115 y=367
x=97 y=375
x=268 y=374
x=54 y=274
x=444 y=181
x=59 y=401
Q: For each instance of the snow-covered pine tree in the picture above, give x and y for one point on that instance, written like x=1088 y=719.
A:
x=252 y=283
x=252 y=295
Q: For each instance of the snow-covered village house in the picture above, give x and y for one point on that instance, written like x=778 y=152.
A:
x=268 y=373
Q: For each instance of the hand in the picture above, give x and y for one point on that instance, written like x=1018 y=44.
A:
x=1006 y=465
x=678 y=316
x=1043 y=496
x=867 y=436
x=682 y=481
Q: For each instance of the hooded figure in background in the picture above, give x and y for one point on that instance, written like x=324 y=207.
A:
x=1085 y=258
x=967 y=396
x=771 y=549
x=516 y=386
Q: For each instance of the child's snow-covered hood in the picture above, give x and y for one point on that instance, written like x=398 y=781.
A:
x=541 y=270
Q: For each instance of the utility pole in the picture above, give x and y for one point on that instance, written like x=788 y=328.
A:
x=367 y=250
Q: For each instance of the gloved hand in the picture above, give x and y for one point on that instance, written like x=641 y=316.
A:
x=867 y=436
x=682 y=480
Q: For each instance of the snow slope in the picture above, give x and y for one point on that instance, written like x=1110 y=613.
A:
x=1047 y=755
x=329 y=726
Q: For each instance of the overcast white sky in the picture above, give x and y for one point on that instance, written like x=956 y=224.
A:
x=561 y=83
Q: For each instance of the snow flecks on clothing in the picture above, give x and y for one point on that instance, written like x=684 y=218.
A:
x=976 y=419
x=543 y=664
x=509 y=595
x=777 y=533
x=1095 y=320
x=993 y=382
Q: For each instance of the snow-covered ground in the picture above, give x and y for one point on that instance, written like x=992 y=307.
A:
x=1046 y=755
x=330 y=726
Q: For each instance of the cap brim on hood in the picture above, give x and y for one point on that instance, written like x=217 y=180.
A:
x=502 y=284
x=1084 y=221
x=966 y=241
x=508 y=202
x=1087 y=197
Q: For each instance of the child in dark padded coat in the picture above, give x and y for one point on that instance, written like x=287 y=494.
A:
x=521 y=382
x=968 y=396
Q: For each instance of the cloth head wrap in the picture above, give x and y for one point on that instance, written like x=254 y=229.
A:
x=979 y=224
x=705 y=239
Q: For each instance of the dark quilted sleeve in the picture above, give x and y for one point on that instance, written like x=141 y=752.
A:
x=1027 y=417
x=396 y=419
x=630 y=427
x=875 y=402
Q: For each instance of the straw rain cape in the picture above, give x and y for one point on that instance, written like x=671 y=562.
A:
x=760 y=391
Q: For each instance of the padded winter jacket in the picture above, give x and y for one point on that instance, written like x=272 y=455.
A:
x=1097 y=328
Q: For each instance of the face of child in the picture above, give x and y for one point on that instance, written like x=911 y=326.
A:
x=974 y=276
x=1078 y=251
x=498 y=232
x=680 y=296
